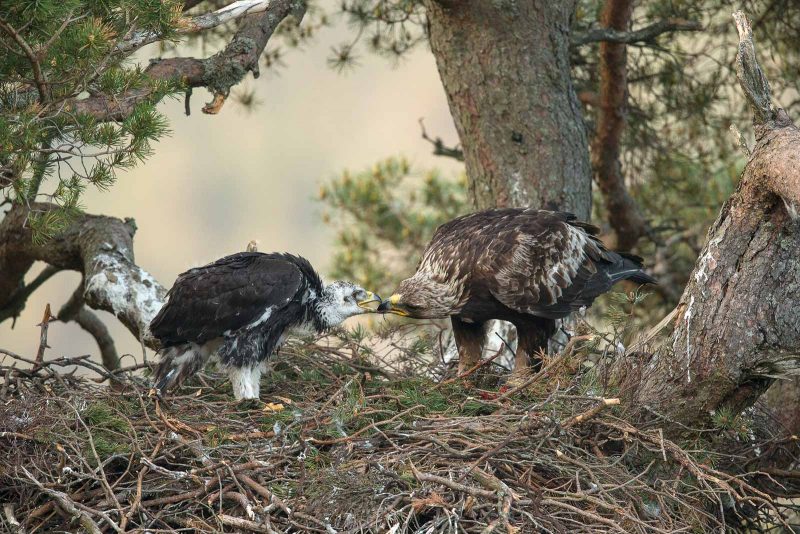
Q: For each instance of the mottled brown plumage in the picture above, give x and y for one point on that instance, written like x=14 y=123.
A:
x=526 y=266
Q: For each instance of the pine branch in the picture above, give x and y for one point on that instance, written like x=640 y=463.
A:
x=33 y=57
x=236 y=10
x=218 y=73
x=643 y=35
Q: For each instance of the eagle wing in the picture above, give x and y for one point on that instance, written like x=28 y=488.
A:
x=548 y=264
x=539 y=262
x=231 y=293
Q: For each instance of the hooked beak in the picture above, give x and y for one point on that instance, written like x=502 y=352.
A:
x=369 y=299
x=392 y=305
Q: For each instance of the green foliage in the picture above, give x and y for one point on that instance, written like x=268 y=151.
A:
x=384 y=217
x=109 y=431
x=61 y=51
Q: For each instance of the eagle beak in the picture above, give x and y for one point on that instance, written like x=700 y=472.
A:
x=369 y=299
x=392 y=305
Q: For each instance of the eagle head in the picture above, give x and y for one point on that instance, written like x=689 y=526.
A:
x=341 y=300
x=421 y=297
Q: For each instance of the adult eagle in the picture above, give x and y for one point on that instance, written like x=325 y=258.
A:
x=240 y=308
x=522 y=265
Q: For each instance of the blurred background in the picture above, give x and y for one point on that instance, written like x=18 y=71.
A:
x=255 y=171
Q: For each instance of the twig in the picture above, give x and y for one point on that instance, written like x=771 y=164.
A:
x=44 y=325
x=590 y=413
x=453 y=485
x=33 y=57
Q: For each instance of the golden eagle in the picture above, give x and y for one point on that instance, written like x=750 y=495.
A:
x=522 y=265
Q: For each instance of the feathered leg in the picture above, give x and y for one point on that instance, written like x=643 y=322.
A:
x=533 y=334
x=469 y=340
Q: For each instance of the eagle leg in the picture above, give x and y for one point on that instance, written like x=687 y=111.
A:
x=469 y=340
x=533 y=335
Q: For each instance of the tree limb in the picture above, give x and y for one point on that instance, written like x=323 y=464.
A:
x=622 y=212
x=236 y=10
x=102 y=249
x=218 y=73
x=643 y=35
x=16 y=302
x=75 y=310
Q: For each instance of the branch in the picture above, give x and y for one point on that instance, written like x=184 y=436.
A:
x=643 y=35
x=751 y=77
x=622 y=212
x=102 y=249
x=439 y=148
x=75 y=310
x=199 y=23
x=16 y=302
x=33 y=57
x=218 y=73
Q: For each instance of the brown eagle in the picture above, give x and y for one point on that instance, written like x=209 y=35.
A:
x=522 y=265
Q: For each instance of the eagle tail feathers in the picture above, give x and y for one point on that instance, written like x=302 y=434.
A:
x=177 y=363
x=632 y=269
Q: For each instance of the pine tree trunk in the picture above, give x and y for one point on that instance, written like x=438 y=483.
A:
x=737 y=325
x=505 y=68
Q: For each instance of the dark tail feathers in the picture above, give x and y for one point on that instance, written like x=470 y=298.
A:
x=177 y=363
x=631 y=269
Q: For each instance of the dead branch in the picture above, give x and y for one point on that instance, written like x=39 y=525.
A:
x=43 y=326
x=642 y=35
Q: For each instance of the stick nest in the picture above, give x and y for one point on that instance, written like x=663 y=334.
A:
x=340 y=443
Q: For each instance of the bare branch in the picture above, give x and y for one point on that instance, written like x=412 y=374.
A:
x=751 y=77
x=439 y=148
x=75 y=310
x=236 y=10
x=44 y=325
x=643 y=35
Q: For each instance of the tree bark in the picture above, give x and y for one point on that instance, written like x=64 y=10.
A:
x=99 y=247
x=621 y=210
x=737 y=324
x=505 y=68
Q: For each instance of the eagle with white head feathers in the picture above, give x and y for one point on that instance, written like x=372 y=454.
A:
x=240 y=309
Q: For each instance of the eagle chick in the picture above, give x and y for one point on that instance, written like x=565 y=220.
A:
x=240 y=309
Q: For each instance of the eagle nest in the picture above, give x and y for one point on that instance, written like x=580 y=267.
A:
x=341 y=443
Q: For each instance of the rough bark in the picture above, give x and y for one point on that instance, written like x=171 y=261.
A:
x=737 y=324
x=621 y=210
x=505 y=69
x=99 y=247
